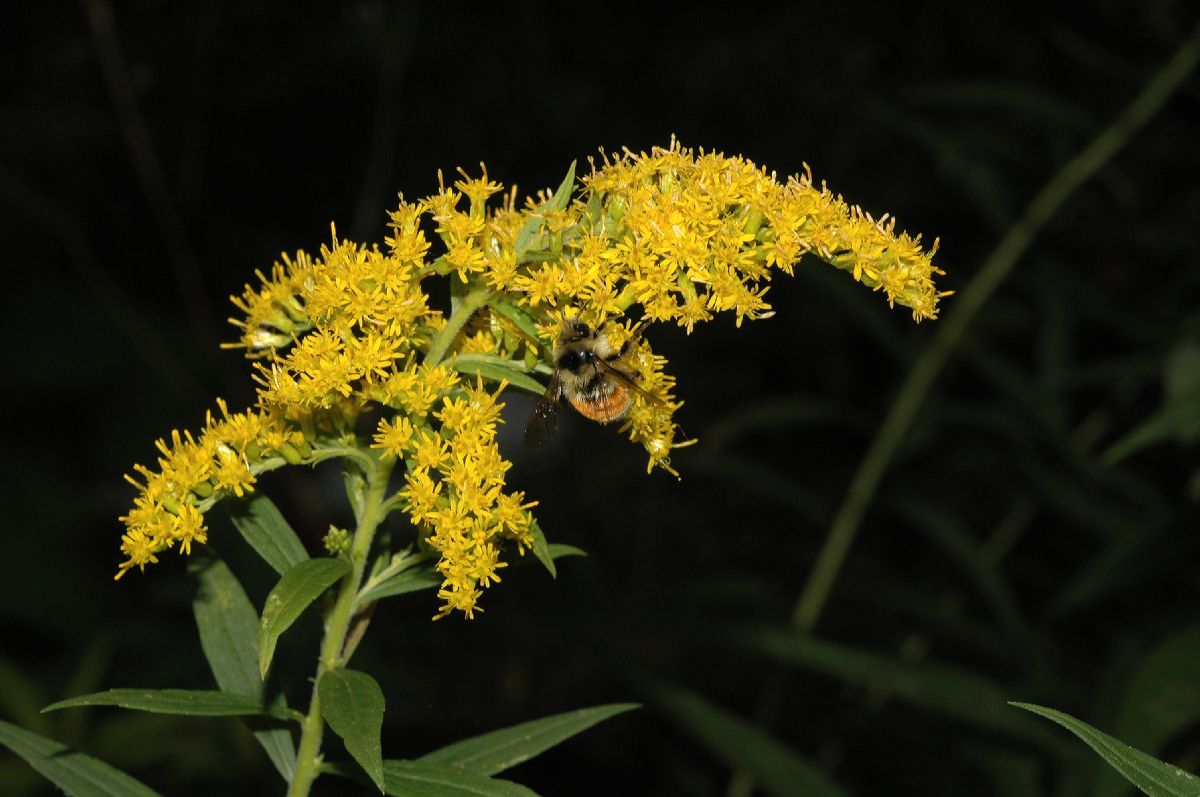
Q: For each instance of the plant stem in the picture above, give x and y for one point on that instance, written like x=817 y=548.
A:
x=991 y=274
x=476 y=297
x=308 y=762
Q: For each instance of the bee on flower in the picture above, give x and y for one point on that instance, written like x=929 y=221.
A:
x=543 y=298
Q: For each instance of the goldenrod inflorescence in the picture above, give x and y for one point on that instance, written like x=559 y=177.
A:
x=683 y=234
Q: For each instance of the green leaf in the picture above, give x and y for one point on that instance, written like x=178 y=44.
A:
x=526 y=236
x=1177 y=419
x=988 y=95
x=299 y=587
x=408 y=779
x=497 y=751
x=1152 y=776
x=949 y=534
x=1075 y=496
x=20 y=696
x=75 y=773
x=1110 y=568
x=774 y=415
x=541 y=548
x=523 y=320
x=779 y=770
x=1012 y=772
x=412 y=779
x=1160 y=700
x=558 y=550
x=194 y=702
x=983 y=184
x=497 y=368
x=1179 y=416
x=893 y=594
x=228 y=625
x=414 y=579
x=352 y=704
x=729 y=471
x=1039 y=407
x=1181 y=377
x=595 y=208
x=261 y=524
x=1181 y=371
x=561 y=198
x=930 y=685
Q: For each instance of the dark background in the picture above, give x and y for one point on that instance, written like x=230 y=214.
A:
x=154 y=154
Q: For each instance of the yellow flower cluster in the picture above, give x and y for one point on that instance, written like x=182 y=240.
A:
x=192 y=473
x=705 y=230
x=454 y=487
x=685 y=235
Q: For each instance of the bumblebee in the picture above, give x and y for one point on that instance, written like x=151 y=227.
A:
x=588 y=373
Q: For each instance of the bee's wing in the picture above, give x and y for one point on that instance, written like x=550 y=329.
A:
x=544 y=419
x=628 y=381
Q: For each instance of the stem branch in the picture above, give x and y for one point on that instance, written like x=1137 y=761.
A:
x=950 y=332
x=476 y=297
x=308 y=763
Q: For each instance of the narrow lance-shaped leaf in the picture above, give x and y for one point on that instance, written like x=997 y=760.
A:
x=262 y=525
x=541 y=548
x=523 y=320
x=558 y=550
x=1160 y=700
x=414 y=579
x=498 y=369
x=1152 y=776
x=76 y=774
x=426 y=576
x=1177 y=418
x=352 y=703
x=19 y=697
x=228 y=626
x=951 y=536
x=194 y=702
x=497 y=751
x=561 y=198
x=780 y=770
x=931 y=685
x=562 y=195
x=416 y=779
x=1107 y=570
x=299 y=587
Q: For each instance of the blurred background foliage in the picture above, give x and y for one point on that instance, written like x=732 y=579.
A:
x=1022 y=545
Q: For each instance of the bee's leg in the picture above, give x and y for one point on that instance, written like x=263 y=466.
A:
x=634 y=336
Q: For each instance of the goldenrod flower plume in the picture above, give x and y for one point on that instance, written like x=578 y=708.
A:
x=684 y=234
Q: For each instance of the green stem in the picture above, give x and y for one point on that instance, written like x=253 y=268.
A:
x=330 y=451
x=337 y=623
x=968 y=305
x=476 y=297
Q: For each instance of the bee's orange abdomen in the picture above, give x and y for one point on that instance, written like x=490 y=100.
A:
x=609 y=408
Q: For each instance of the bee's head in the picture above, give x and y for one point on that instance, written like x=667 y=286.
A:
x=573 y=330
